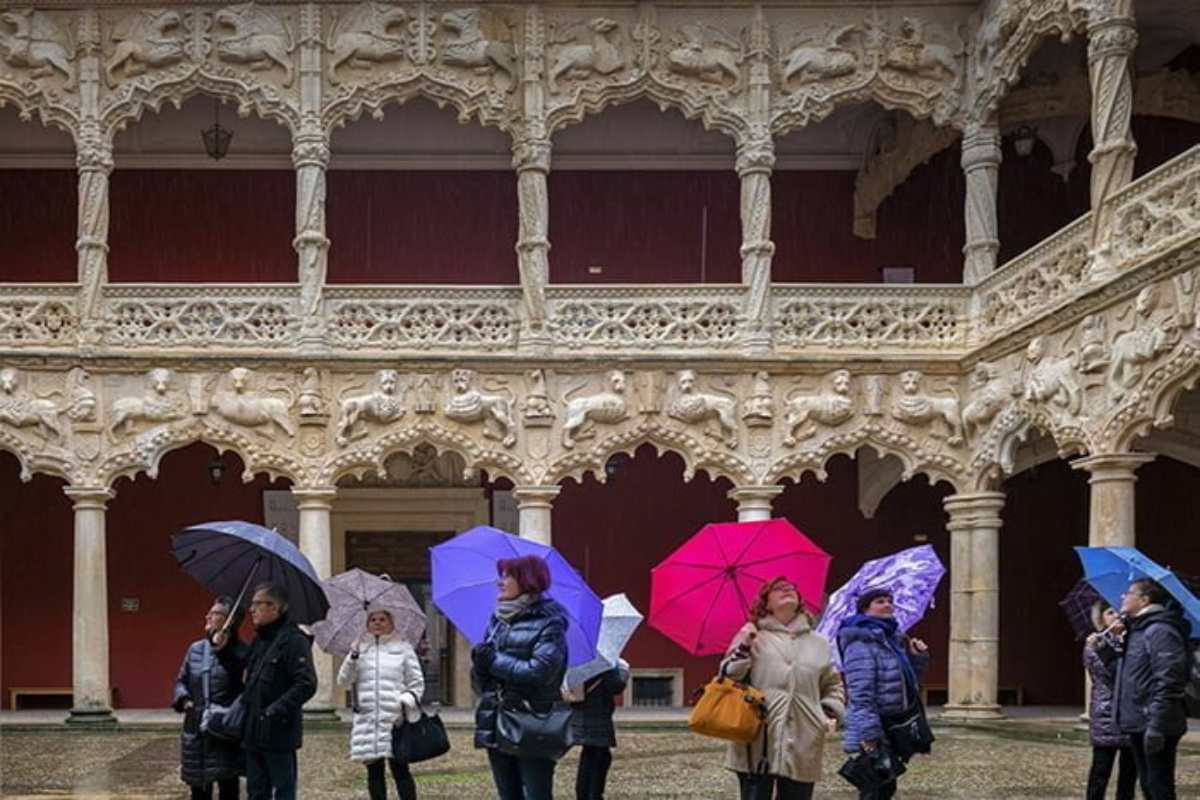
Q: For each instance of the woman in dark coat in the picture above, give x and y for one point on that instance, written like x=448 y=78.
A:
x=203 y=759
x=1108 y=743
x=521 y=660
x=592 y=728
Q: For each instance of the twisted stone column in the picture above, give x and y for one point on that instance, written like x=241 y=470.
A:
x=531 y=160
x=534 y=507
x=315 y=505
x=754 y=502
x=94 y=162
x=755 y=160
x=974 y=604
x=1112 y=39
x=310 y=156
x=981 y=165
x=92 y=702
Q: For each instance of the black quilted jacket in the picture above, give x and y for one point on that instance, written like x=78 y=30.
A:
x=204 y=759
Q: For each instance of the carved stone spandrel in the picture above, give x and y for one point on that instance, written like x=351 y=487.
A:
x=912 y=406
x=237 y=403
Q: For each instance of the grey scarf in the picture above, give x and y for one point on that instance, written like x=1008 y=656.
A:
x=508 y=610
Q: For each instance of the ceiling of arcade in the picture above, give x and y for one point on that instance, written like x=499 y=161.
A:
x=948 y=380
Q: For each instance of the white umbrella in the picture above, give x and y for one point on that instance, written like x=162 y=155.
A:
x=617 y=624
x=353 y=595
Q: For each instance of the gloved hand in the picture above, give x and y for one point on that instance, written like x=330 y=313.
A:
x=183 y=704
x=274 y=710
x=1153 y=743
x=483 y=654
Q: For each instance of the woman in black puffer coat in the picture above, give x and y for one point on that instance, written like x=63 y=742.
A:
x=522 y=659
x=1108 y=743
x=205 y=761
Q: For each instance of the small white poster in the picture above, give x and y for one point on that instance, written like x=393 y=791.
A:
x=280 y=513
x=504 y=511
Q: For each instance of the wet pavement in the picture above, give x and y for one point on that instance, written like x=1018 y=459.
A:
x=664 y=764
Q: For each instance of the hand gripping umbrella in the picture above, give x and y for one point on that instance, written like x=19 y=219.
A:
x=700 y=595
x=1110 y=570
x=353 y=596
x=464 y=586
x=619 y=621
x=229 y=557
x=912 y=576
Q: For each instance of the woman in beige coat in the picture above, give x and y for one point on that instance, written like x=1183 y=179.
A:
x=781 y=654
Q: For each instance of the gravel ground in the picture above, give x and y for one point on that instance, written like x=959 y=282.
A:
x=966 y=764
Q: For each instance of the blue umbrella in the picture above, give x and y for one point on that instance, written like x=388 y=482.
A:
x=1110 y=570
x=227 y=557
x=464 y=586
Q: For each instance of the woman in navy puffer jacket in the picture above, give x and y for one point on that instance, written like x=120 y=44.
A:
x=882 y=670
x=522 y=659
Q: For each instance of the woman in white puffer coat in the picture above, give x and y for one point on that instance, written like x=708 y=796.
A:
x=386 y=675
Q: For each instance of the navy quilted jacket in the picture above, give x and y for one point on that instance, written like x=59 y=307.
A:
x=531 y=659
x=874 y=683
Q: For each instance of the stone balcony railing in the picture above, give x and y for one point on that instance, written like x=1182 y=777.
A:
x=1151 y=219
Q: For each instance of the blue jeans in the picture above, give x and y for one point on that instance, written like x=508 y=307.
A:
x=522 y=778
x=271 y=774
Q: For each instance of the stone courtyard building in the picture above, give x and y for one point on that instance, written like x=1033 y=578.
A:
x=600 y=272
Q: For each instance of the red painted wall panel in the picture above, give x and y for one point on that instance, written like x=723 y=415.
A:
x=422 y=227
x=202 y=225
x=37 y=225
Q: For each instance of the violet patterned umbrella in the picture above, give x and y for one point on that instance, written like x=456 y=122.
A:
x=911 y=575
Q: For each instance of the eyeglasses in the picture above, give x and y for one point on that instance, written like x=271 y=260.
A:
x=1129 y=593
x=254 y=603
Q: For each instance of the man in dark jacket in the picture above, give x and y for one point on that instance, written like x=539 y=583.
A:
x=280 y=678
x=1148 y=690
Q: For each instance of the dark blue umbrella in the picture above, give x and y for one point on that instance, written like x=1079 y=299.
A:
x=227 y=557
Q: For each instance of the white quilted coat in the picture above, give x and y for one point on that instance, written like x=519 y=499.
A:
x=388 y=678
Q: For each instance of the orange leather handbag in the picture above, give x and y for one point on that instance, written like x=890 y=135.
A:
x=729 y=710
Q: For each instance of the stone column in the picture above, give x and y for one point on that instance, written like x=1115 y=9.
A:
x=974 y=604
x=92 y=703
x=315 y=505
x=534 y=504
x=310 y=155
x=981 y=165
x=1112 y=39
x=94 y=163
x=531 y=160
x=1113 y=502
x=754 y=502
x=755 y=160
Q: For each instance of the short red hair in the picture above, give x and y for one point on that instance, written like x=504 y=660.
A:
x=530 y=572
x=759 y=609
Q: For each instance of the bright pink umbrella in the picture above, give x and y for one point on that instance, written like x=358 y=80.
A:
x=701 y=594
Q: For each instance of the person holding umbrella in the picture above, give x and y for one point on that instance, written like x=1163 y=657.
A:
x=592 y=725
x=882 y=668
x=520 y=663
x=778 y=652
x=1108 y=743
x=213 y=675
x=280 y=679
x=388 y=681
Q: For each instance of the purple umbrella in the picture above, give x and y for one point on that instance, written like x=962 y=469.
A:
x=1077 y=605
x=911 y=575
x=464 y=586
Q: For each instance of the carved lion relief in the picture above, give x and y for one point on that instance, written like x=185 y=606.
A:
x=467 y=404
x=694 y=407
x=237 y=403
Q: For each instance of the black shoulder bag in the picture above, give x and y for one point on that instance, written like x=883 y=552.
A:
x=526 y=733
x=421 y=740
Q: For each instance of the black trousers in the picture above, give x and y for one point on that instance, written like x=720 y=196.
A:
x=522 y=778
x=271 y=774
x=1103 y=759
x=406 y=787
x=226 y=790
x=772 y=787
x=592 y=775
x=1156 y=771
x=884 y=792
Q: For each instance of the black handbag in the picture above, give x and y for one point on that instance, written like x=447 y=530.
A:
x=227 y=723
x=421 y=740
x=525 y=733
x=908 y=733
x=870 y=771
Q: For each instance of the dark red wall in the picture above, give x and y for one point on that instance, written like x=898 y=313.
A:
x=145 y=646
x=202 y=225
x=37 y=225
x=422 y=227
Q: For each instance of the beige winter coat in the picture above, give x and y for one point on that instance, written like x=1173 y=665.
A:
x=791 y=665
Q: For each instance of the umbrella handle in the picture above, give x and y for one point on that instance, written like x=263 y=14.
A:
x=238 y=602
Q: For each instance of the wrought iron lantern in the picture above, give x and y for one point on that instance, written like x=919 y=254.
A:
x=1024 y=138
x=216 y=139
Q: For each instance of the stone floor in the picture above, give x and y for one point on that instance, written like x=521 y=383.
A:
x=649 y=764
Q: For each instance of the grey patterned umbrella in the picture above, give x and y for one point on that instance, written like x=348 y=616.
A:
x=353 y=595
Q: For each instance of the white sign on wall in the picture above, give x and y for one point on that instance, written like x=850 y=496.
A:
x=280 y=513
x=504 y=511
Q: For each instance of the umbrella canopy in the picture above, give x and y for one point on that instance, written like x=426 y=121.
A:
x=226 y=557
x=617 y=624
x=353 y=596
x=701 y=594
x=912 y=576
x=464 y=586
x=1110 y=570
x=1077 y=605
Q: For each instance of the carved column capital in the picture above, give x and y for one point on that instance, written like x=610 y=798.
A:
x=974 y=511
x=314 y=498
x=1106 y=467
x=981 y=146
x=93 y=150
x=310 y=149
x=532 y=154
x=529 y=497
x=755 y=155
x=89 y=498
x=754 y=502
